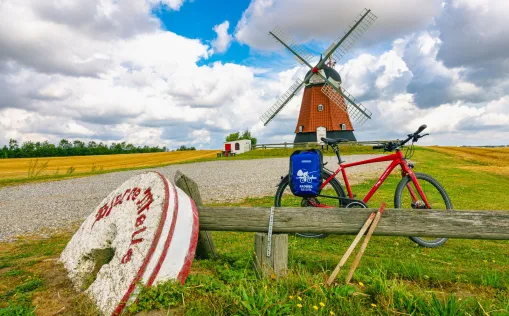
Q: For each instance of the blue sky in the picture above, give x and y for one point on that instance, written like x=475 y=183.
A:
x=197 y=19
x=178 y=72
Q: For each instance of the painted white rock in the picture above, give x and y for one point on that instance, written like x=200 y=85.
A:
x=151 y=227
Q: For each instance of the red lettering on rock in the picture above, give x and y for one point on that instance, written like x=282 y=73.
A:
x=126 y=193
x=109 y=209
x=134 y=194
x=145 y=202
x=140 y=220
x=141 y=230
x=118 y=200
x=100 y=214
x=127 y=257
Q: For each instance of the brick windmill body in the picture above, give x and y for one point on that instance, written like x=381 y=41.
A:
x=326 y=109
x=319 y=115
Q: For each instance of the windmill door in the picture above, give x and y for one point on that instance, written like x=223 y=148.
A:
x=320 y=132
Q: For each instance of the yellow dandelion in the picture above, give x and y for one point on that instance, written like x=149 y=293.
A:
x=485 y=261
x=493 y=260
x=361 y=284
x=265 y=287
x=322 y=304
x=291 y=297
x=299 y=298
x=315 y=307
x=332 y=313
x=373 y=305
x=299 y=305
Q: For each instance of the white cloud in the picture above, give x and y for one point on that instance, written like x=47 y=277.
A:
x=326 y=20
x=223 y=40
x=104 y=70
x=172 y=4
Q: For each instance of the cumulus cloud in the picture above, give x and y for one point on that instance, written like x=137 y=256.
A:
x=326 y=20
x=223 y=39
x=105 y=70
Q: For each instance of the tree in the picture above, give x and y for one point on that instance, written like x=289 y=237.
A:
x=183 y=147
x=233 y=137
x=246 y=135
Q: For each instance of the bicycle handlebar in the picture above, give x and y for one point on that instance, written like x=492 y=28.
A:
x=421 y=128
x=390 y=146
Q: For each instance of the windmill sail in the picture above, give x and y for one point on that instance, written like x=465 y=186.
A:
x=348 y=103
x=302 y=55
x=281 y=102
x=355 y=30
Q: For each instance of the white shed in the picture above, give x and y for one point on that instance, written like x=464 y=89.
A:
x=238 y=146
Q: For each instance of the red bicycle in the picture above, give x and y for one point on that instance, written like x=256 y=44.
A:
x=415 y=190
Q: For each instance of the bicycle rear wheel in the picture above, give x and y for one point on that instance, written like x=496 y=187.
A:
x=435 y=194
x=285 y=198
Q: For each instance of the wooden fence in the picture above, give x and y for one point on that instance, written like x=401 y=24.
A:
x=395 y=222
x=313 y=144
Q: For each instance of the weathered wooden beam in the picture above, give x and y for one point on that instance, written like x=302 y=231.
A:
x=275 y=265
x=205 y=249
x=394 y=222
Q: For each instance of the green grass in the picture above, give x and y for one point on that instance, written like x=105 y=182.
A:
x=395 y=276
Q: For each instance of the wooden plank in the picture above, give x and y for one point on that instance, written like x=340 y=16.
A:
x=365 y=243
x=397 y=222
x=275 y=265
x=205 y=249
x=350 y=249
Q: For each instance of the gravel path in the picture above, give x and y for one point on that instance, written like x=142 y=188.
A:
x=52 y=205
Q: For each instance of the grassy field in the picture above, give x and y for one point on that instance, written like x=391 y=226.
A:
x=494 y=160
x=22 y=170
x=395 y=277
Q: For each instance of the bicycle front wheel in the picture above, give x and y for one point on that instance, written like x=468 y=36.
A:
x=407 y=196
x=285 y=198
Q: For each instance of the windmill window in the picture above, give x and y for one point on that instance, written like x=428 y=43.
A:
x=237 y=146
x=301 y=128
x=343 y=126
x=320 y=107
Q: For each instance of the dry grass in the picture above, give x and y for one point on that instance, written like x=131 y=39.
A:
x=493 y=160
x=18 y=168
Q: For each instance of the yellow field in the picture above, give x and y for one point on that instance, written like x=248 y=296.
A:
x=494 y=160
x=18 y=168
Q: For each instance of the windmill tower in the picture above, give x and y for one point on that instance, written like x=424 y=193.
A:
x=326 y=108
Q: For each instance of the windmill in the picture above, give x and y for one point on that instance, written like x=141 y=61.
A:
x=326 y=108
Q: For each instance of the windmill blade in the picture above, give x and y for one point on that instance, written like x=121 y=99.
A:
x=302 y=55
x=281 y=102
x=347 y=103
x=355 y=30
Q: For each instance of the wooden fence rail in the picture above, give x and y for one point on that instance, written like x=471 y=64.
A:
x=395 y=222
x=307 y=144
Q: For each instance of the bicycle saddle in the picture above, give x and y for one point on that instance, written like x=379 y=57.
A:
x=334 y=141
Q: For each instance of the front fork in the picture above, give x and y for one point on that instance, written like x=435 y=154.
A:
x=416 y=202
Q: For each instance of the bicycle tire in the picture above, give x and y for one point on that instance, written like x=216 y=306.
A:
x=423 y=179
x=325 y=175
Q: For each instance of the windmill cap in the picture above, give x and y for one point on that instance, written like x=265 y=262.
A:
x=329 y=73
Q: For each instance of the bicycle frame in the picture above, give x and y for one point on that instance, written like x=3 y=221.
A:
x=396 y=159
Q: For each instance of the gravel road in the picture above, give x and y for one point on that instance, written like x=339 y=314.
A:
x=29 y=208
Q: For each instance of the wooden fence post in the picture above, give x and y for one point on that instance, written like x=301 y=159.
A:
x=275 y=265
x=205 y=248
